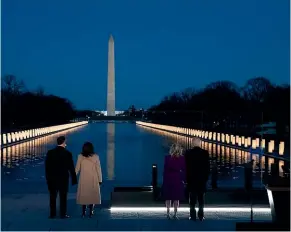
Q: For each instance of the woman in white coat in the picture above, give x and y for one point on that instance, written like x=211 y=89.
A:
x=88 y=165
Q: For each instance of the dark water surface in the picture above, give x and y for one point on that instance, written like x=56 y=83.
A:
x=127 y=153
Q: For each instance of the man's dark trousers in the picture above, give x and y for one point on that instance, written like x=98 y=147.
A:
x=195 y=196
x=63 y=192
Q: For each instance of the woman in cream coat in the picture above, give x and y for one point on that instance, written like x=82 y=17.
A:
x=88 y=165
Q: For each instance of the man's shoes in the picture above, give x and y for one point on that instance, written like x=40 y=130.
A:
x=201 y=218
x=65 y=216
x=52 y=216
x=201 y=215
x=192 y=218
x=192 y=215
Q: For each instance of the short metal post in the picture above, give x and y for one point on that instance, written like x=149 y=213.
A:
x=154 y=180
x=249 y=184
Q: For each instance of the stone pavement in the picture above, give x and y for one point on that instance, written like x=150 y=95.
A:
x=29 y=212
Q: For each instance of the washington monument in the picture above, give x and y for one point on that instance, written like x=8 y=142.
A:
x=111 y=79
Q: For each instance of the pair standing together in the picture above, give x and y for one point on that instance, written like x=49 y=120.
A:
x=189 y=172
x=59 y=165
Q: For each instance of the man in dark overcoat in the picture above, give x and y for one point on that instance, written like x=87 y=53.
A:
x=59 y=165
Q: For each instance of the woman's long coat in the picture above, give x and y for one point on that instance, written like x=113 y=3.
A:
x=174 y=178
x=90 y=177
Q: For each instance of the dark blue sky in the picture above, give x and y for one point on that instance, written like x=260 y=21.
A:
x=161 y=46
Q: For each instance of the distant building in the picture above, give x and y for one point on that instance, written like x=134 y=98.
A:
x=266 y=129
x=117 y=112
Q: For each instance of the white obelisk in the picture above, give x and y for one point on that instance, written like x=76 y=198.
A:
x=111 y=79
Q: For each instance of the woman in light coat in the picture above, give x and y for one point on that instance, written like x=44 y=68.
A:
x=88 y=165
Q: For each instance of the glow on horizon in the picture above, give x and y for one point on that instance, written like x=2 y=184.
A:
x=105 y=112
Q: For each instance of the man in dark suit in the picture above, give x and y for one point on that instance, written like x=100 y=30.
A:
x=58 y=165
x=197 y=173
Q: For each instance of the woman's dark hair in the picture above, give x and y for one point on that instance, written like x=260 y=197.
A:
x=88 y=149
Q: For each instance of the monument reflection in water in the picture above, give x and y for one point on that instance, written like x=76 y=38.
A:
x=110 y=150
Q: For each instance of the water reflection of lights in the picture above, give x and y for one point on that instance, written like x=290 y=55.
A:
x=219 y=152
x=30 y=150
x=110 y=150
x=214 y=149
x=270 y=162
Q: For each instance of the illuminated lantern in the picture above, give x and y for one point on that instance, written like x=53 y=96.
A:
x=4 y=139
x=233 y=139
x=271 y=146
x=239 y=141
x=263 y=143
x=8 y=138
x=222 y=137
x=258 y=142
x=281 y=148
x=249 y=141
x=13 y=137
x=246 y=144
x=16 y=136
x=254 y=144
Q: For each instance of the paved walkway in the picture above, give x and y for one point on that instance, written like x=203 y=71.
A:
x=29 y=212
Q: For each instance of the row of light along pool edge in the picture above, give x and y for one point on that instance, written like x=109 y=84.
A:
x=235 y=140
x=10 y=139
x=229 y=139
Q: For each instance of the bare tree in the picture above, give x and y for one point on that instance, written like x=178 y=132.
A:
x=187 y=94
x=227 y=85
x=40 y=91
x=256 y=89
x=10 y=84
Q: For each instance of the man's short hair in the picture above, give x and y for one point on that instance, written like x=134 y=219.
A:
x=196 y=142
x=61 y=140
